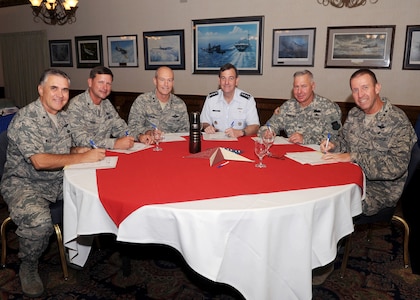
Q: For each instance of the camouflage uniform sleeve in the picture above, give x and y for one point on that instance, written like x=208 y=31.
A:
x=77 y=115
x=277 y=120
x=181 y=110
x=330 y=122
x=381 y=149
x=118 y=126
x=86 y=124
x=137 y=119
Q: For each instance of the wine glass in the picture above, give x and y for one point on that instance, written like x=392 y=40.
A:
x=158 y=136
x=260 y=149
x=268 y=135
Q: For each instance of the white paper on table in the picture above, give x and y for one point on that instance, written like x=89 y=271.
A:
x=281 y=140
x=308 y=157
x=137 y=147
x=278 y=140
x=174 y=137
x=218 y=136
x=108 y=162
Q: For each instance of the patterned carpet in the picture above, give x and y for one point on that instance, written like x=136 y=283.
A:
x=375 y=271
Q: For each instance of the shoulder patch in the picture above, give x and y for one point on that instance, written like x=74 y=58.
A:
x=212 y=94
x=245 y=95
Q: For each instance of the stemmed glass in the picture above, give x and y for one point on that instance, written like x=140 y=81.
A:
x=268 y=135
x=260 y=149
x=158 y=136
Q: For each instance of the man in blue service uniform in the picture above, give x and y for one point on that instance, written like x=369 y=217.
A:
x=230 y=109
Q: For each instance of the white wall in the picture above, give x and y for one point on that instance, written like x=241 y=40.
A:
x=107 y=17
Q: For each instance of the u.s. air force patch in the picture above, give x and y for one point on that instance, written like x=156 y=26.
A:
x=245 y=95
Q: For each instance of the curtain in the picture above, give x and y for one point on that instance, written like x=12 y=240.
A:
x=24 y=56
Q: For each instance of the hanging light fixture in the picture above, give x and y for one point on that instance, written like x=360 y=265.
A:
x=345 y=3
x=54 y=12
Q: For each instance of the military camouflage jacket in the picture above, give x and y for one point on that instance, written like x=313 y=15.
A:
x=382 y=149
x=314 y=122
x=146 y=112
x=31 y=132
x=100 y=123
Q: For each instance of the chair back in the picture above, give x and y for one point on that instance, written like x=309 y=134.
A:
x=56 y=210
x=3 y=150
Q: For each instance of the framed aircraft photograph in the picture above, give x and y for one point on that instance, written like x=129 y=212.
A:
x=360 y=47
x=412 y=48
x=89 y=51
x=228 y=40
x=60 y=53
x=164 y=48
x=293 y=47
x=122 y=51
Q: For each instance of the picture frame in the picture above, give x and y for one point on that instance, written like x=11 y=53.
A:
x=164 y=48
x=61 y=54
x=360 y=47
x=412 y=48
x=293 y=47
x=122 y=51
x=228 y=40
x=89 y=51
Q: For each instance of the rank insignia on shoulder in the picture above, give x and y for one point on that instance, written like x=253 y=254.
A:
x=212 y=94
x=245 y=95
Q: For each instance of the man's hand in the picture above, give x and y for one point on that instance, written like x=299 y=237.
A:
x=338 y=157
x=230 y=132
x=146 y=138
x=326 y=148
x=93 y=155
x=296 y=138
x=210 y=129
x=124 y=143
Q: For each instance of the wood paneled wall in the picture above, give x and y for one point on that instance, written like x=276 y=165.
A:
x=265 y=106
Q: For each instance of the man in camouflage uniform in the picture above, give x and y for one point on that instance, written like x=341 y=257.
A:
x=38 y=149
x=230 y=109
x=307 y=118
x=378 y=137
x=159 y=108
x=94 y=118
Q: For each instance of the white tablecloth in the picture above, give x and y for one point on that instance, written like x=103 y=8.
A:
x=264 y=245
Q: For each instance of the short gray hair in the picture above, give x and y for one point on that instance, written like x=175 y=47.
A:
x=49 y=72
x=304 y=72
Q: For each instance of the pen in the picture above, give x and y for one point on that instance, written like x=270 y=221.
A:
x=126 y=133
x=92 y=143
x=231 y=124
x=328 y=141
x=222 y=164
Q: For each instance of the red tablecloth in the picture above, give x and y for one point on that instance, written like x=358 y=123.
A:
x=149 y=177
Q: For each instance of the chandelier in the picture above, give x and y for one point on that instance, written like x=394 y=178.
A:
x=54 y=12
x=346 y=3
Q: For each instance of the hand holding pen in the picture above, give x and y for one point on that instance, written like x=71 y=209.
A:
x=326 y=145
x=125 y=142
x=93 y=155
x=230 y=132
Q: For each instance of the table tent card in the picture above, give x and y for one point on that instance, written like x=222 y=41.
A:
x=217 y=155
